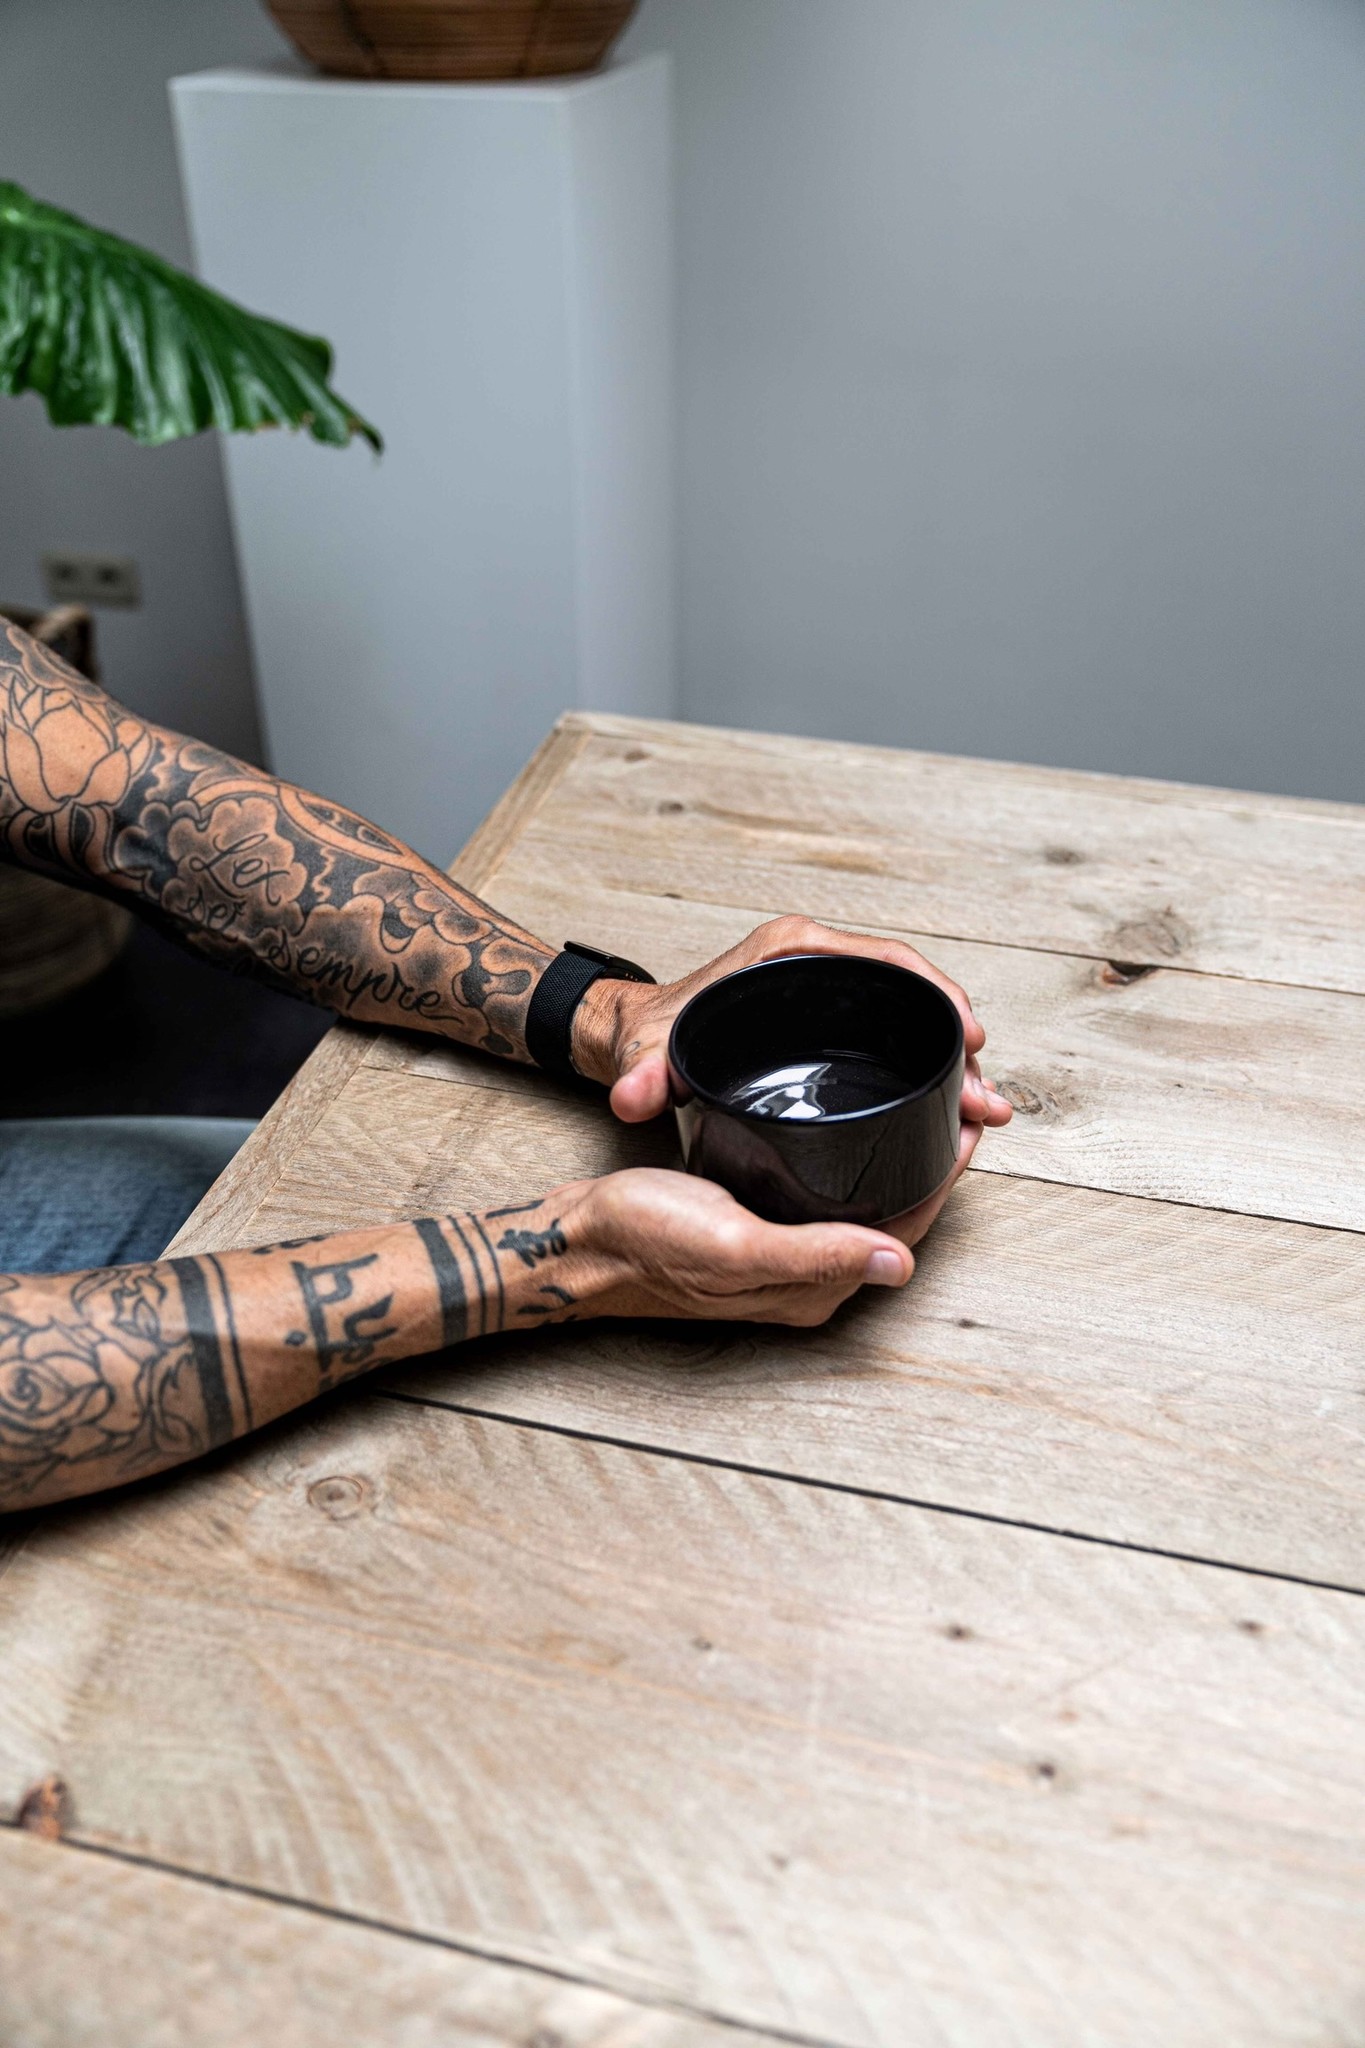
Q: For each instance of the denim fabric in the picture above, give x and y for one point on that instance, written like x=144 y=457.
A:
x=104 y=1191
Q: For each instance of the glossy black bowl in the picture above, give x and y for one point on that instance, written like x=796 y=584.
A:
x=820 y=1087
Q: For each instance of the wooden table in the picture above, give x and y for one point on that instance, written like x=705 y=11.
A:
x=985 y=1668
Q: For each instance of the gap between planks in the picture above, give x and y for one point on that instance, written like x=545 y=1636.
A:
x=1159 y=1374
x=1200 y=1089
x=291 y=1903
x=562 y=1665
x=855 y=1492
x=1104 y=867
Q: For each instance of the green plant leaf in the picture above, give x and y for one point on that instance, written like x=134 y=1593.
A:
x=109 y=335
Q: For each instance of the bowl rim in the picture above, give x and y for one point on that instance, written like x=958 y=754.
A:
x=839 y=1116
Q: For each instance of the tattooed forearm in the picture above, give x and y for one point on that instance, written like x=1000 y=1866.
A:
x=247 y=869
x=114 y=1373
x=108 y=1376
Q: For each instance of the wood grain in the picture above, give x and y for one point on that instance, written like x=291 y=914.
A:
x=1182 y=1087
x=754 y=1742
x=87 y=1964
x=1178 y=1378
x=1154 y=872
x=871 y=1773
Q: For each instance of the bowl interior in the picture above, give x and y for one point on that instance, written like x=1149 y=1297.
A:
x=784 y=1013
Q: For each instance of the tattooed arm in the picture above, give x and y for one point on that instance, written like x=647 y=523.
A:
x=108 y=1376
x=273 y=882
x=246 y=869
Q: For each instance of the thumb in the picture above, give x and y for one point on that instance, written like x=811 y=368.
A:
x=642 y=1091
x=834 y=1255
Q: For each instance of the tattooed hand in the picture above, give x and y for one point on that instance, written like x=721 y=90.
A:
x=246 y=869
x=621 y=1028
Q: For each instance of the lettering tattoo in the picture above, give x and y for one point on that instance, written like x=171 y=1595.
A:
x=246 y=869
x=108 y=1375
x=531 y=1246
x=339 y=1340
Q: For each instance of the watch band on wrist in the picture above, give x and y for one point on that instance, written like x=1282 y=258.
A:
x=556 y=996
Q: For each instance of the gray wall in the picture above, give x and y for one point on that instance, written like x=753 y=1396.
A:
x=84 y=122
x=1023 y=377
x=1022 y=359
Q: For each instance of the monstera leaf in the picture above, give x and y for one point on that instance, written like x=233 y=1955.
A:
x=110 y=335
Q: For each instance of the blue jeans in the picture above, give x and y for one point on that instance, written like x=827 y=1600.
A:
x=104 y=1190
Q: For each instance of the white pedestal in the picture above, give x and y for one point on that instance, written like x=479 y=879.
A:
x=493 y=266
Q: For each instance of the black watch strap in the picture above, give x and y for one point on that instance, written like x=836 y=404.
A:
x=561 y=988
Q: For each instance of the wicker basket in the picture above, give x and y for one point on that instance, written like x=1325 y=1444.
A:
x=453 y=38
x=53 y=938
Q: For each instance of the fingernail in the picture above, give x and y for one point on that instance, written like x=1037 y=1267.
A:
x=884 y=1269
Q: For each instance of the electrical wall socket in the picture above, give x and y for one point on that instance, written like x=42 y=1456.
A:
x=91 y=579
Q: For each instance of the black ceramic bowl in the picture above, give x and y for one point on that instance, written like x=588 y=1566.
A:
x=820 y=1087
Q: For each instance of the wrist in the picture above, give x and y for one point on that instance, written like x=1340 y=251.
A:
x=596 y=1032
x=555 y=1263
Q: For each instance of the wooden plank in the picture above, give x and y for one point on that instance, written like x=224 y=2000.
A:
x=103 y=1954
x=224 y=1212
x=219 y=1220
x=1181 y=1087
x=1156 y=872
x=871 y=1773
x=1178 y=1378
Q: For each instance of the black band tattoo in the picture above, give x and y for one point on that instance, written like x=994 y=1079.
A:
x=480 y=1290
x=477 y=1221
x=105 y=1376
x=99 y=1369
x=450 y=1287
x=243 y=1390
x=208 y=1352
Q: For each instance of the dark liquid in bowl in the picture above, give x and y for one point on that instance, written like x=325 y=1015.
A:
x=806 y=1090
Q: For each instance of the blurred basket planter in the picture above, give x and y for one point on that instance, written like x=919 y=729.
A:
x=453 y=39
x=53 y=939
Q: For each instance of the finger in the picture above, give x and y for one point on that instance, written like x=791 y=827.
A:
x=818 y=1255
x=809 y=937
x=982 y=1102
x=975 y=1093
x=642 y=1091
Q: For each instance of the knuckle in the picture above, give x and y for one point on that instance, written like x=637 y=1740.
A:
x=732 y=1242
x=831 y=1266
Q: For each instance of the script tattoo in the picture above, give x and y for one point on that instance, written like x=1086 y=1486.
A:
x=339 y=1340
x=532 y=1246
x=244 y=868
x=123 y=1365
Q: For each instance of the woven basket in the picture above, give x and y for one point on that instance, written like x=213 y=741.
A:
x=453 y=38
x=53 y=938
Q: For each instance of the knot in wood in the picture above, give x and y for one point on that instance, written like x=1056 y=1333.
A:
x=1026 y=1100
x=340 y=1496
x=45 y=1809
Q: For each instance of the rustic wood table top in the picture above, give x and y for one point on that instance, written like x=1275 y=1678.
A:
x=987 y=1667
